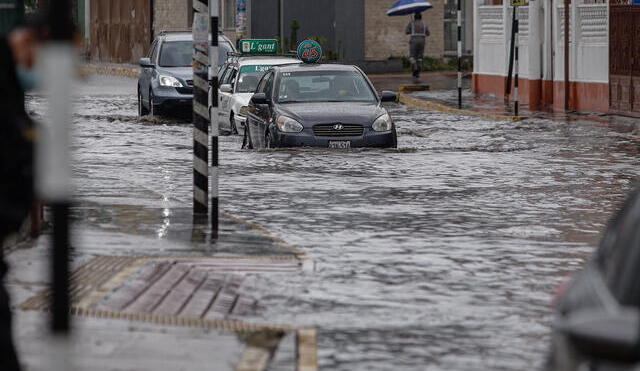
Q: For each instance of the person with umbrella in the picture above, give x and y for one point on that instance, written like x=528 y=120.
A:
x=419 y=32
x=416 y=28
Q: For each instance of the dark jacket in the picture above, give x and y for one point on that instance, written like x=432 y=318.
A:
x=16 y=147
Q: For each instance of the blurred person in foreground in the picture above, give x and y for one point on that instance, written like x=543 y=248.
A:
x=419 y=32
x=17 y=73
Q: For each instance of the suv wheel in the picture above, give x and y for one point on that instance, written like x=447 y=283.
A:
x=142 y=111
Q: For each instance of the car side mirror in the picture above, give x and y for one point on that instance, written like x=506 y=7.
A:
x=226 y=88
x=259 y=98
x=146 y=63
x=388 y=96
x=604 y=335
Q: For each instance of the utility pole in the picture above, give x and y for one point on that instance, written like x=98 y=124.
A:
x=567 y=32
x=53 y=169
x=459 y=54
x=215 y=130
x=201 y=117
x=516 y=93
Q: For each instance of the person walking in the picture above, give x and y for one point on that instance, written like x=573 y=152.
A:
x=419 y=32
x=17 y=59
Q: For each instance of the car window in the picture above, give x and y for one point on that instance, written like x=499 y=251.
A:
x=231 y=76
x=176 y=54
x=619 y=253
x=261 y=85
x=152 y=50
x=249 y=77
x=224 y=47
x=268 y=85
x=323 y=86
x=226 y=75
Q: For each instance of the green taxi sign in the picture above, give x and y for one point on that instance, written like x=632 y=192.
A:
x=516 y=3
x=309 y=51
x=259 y=46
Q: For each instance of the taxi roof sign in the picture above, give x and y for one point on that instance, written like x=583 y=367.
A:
x=309 y=51
x=259 y=46
x=515 y=3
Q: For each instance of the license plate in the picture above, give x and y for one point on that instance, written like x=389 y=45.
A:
x=339 y=144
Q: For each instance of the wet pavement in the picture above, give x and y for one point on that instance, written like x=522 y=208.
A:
x=440 y=255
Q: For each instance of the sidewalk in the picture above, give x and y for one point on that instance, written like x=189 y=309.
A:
x=144 y=303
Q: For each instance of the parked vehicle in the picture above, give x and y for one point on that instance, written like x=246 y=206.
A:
x=238 y=82
x=598 y=313
x=165 y=84
x=321 y=105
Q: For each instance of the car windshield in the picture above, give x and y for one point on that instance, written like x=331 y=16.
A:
x=176 y=54
x=250 y=76
x=323 y=86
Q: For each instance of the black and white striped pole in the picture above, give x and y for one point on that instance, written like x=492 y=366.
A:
x=53 y=168
x=459 y=54
x=215 y=130
x=200 y=108
x=516 y=96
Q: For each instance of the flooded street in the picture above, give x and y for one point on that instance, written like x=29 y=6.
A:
x=441 y=255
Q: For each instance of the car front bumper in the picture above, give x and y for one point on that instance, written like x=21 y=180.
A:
x=168 y=98
x=306 y=138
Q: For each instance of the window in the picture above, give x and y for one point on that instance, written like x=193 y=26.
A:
x=249 y=77
x=324 y=86
x=176 y=54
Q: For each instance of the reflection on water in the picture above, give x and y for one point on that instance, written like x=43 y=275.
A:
x=439 y=255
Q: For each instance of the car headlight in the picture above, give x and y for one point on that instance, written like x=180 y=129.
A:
x=288 y=125
x=383 y=123
x=244 y=110
x=170 y=81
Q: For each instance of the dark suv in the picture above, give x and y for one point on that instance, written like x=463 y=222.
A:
x=166 y=79
x=598 y=320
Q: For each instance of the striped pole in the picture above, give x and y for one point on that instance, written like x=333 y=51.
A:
x=215 y=130
x=200 y=109
x=516 y=97
x=459 y=54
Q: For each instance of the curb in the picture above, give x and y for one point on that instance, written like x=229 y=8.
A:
x=123 y=71
x=433 y=106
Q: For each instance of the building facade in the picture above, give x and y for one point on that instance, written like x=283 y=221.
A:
x=542 y=53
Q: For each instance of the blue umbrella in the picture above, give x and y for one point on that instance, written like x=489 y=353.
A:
x=404 y=7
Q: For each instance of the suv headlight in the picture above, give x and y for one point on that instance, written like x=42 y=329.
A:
x=244 y=111
x=288 y=125
x=383 y=123
x=170 y=81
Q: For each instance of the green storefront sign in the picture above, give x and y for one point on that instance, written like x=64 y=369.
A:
x=262 y=46
x=11 y=13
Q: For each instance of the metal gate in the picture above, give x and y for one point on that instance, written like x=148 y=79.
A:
x=120 y=30
x=624 y=54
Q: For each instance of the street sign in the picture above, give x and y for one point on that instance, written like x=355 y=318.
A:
x=259 y=46
x=309 y=51
x=515 y=3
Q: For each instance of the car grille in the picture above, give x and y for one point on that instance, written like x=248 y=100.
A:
x=190 y=82
x=185 y=90
x=331 y=130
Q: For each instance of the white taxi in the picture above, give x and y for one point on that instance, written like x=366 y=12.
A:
x=239 y=78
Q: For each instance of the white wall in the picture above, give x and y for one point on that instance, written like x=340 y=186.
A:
x=589 y=50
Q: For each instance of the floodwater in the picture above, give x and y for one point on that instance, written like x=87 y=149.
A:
x=441 y=255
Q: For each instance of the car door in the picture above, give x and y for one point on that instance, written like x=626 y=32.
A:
x=146 y=73
x=224 y=98
x=263 y=112
x=255 y=116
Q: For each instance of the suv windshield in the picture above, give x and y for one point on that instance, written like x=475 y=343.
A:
x=323 y=86
x=249 y=77
x=176 y=54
